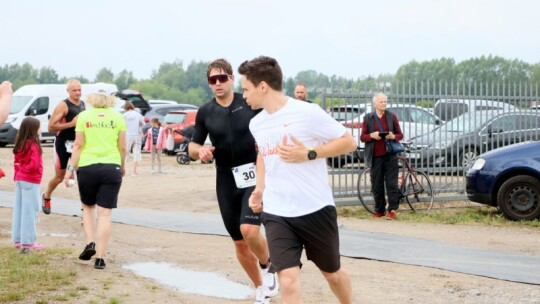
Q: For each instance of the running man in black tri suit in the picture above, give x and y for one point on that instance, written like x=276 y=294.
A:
x=63 y=122
x=225 y=119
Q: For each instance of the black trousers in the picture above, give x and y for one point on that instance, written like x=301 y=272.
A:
x=384 y=171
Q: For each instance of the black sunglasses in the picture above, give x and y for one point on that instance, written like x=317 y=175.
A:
x=221 y=77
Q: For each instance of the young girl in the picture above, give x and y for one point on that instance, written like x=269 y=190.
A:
x=155 y=142
x=28 y=171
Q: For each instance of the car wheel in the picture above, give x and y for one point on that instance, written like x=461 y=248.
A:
x=519 y=198
x=467 y=157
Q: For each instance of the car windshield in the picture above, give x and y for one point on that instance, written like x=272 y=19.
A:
x=344 y=113
x=18 y=103
x=175 y=118
x=467 y=122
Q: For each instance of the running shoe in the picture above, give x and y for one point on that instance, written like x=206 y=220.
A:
x=259 y=296
x=88 y=252
x=270 y=283
x=45 y=204
x=99 y=264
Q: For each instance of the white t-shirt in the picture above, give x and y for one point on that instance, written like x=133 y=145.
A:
x=295 y=189
x=134 y=121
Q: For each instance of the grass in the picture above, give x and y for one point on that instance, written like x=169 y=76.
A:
x=41 y=277
x=486 y=216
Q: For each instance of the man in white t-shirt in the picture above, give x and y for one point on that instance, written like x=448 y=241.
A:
x=134 y=122
x=294 y=138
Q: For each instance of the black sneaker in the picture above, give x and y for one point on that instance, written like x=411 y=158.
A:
x=88 y=252
x=100 y=264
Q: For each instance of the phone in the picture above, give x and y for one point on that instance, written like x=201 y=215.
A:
x=383 y=134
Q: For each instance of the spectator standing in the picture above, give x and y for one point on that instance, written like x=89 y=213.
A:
x=134 y=122
x=28 y=171
x=384 y=166
x=300 y=92
x=155 y=143
x=98 y=157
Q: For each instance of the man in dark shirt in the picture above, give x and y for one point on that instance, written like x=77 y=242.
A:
x=225 y=119
x=300 y=92
x=63 y=121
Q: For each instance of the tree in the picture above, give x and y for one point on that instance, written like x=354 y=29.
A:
x=48 y=75
x=104 y=75
x=124 y=80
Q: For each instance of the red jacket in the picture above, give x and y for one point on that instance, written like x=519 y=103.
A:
x=28 y=167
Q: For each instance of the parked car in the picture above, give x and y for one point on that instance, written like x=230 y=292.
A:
x=347 y=112
x=159 y=111
x=413 y=121
x=161 y=101
x=177 y=120
x=448 y=109
x=509 y=178
x=459 y=141
x=135 y=97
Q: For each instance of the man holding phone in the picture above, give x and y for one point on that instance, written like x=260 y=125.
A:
x=378 y=127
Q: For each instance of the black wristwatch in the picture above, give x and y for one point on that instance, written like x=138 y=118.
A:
x=312 y=154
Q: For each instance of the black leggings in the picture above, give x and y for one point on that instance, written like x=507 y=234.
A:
x=234 y=204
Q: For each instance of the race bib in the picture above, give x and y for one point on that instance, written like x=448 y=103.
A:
x=69 y=145
x=244 y=175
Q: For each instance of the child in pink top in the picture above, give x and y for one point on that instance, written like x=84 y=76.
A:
x=28 y=171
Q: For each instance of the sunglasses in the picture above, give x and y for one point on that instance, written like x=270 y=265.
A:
x=221 y=77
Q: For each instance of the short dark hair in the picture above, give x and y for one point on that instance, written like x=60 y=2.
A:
x=220 y=64
x=265 y=69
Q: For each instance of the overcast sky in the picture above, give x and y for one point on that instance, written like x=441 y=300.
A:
x=347 y=38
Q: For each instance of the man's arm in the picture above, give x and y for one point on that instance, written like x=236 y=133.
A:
x=255 y=200
x=298 y=152
x=59 y=113
x=198 y=151
x=6 y=93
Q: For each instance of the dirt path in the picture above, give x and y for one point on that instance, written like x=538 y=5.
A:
x=191 y=188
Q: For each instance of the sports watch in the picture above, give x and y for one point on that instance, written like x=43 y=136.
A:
x=312 y=154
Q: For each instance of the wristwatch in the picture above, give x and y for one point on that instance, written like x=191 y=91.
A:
x=312 y=154
x=70 y=168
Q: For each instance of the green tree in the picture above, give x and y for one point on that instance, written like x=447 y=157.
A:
x=104 y=75
x=171 y=75
x=47 y=75
x=196 y=78
x=124 y=80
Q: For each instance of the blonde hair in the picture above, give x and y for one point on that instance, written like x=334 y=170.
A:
x=101 y=100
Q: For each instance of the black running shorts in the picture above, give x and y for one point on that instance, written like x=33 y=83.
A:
x=234 y=203
x=61 y=154
x=99 y=184
x=317 y=232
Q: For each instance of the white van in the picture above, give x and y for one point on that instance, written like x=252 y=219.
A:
x=40 y=100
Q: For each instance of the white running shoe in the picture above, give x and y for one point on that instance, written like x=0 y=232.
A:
x=270 y=283
x=259 y=296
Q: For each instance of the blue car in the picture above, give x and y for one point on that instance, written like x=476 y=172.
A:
x=509 y=178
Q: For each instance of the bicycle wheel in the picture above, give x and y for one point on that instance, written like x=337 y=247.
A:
x=364 y=190
x=418 y=191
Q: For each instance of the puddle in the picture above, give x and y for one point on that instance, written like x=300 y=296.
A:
x=190 y=281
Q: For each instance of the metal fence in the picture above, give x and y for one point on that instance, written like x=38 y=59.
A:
x=445 y=126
